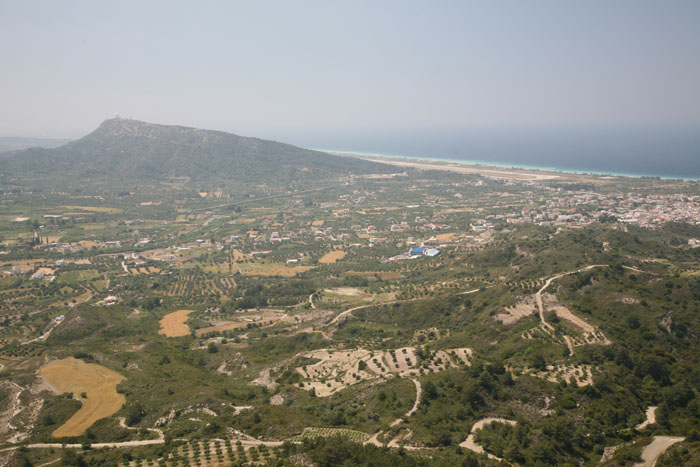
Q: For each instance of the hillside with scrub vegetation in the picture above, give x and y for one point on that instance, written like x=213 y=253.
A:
x=426 y=317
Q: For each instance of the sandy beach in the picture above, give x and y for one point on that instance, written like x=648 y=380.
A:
x=488 y=171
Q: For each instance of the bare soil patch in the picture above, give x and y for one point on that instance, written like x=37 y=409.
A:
x=346 y=291
x=515 y=313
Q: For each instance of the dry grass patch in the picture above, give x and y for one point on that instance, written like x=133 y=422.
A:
x=173 y=324
x=95 y=209
x=446 y=237
x=99 y=384
x=219 y=327
x=332 y=257
x=272 y=269
x=238 y=256
x=146 y=270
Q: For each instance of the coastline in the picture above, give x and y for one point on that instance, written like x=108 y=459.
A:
x=493 y=168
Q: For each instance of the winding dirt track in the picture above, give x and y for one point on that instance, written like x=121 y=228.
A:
x=470 y=442
x=653 y=450
x=540 y=305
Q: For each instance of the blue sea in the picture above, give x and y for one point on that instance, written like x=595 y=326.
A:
x=640 y=152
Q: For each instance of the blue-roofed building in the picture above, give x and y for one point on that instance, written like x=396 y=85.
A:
x=418 y=250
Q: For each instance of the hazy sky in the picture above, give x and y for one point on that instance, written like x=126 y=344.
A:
x=261 y=67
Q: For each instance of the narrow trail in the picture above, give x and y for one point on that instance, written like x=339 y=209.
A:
x=416 y=403
x=651 y=418
x=345 y=313
x=570 y=345
x=475 y=290
x=42 y=337
x=540 y=305
x=470 y=442
x=374 y=439
x=311 y=301
x=122 y=423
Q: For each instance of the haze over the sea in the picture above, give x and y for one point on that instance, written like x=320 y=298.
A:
x=673 y=153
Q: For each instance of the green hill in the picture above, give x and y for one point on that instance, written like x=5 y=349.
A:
x=122 y=148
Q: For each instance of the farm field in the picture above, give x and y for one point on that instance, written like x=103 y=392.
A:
x=229 y=329
x=272 y=269
x=94 y=385
x=173 y=324
x=332 y=257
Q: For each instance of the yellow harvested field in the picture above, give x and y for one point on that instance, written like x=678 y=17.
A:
x=147 y=270
x=97 y=382
x=385 y=275
x=95 y=209
x=173 y=324
x=332 y=257
x=88 y=243
x=446 y=237
x=45 y=271
x=238 y=256
x=221 y=327
x=317 y=223
x=272 y=270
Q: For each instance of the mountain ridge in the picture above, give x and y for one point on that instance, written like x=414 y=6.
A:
x=142 y=150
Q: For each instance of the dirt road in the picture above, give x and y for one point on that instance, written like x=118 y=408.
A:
x=651 y=418
x=540 y=305
x=653 y=450
x=470 y=442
